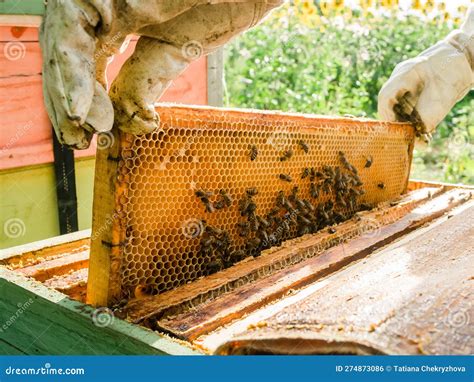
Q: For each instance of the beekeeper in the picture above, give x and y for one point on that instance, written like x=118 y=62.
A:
x=425 y=88
x=77 y=39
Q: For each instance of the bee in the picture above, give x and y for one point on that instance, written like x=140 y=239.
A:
x=339 y=217
x=326 y=187
x=365 y=207
x=343 y=159
x=253 y=152
x=264 y=237
x=209 y=207
x=280 y=199
x=263 y=222
x=251 y=207
x=243 y=228
x=308 y=205
x=332 y=230
x=226 y=198
x=254 y=224
x=213 y=230
x=286 y=155
x=285 y=177
x=305 y=173
x=251 y=191
x=236 y=256
x=303 y=230
x=314 y=190
x=356 y=180
x=273 y=212
x=207 y=242
x=214 y=266
x=287 y=205
x=220 y=204
x=352 y=169
x=247 y=206
x=300 y=204
x=341 y=201
x=303 y=220
x=142 y=291
x=368 y=161
x=253 y=244
x=304 y=146
x=381 y=185
x=203 y=194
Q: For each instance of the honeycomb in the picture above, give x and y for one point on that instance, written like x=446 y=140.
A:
x=176 y=186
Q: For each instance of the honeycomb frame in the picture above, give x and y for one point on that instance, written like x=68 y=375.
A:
x=147 y=219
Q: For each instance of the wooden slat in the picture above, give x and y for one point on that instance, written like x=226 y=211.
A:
x=37 y=320
x=413 y=297
x=72 y=284
x=34 y=253
x=56 y=267
x=206 y=317
x=271 y=261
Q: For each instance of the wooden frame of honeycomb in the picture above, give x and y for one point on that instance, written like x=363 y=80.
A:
x=155 y=195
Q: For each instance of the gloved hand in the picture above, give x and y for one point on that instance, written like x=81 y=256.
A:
x=78 y=37
x=423 y=90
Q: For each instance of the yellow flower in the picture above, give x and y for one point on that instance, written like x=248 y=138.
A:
x=441 y=6
x=325 y=7
x=416 y=4
x=366 y=4
x=338 y=4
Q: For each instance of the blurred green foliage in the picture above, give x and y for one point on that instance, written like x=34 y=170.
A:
x=338 y=68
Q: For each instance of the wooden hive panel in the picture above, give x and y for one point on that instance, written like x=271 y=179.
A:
x=148 y=223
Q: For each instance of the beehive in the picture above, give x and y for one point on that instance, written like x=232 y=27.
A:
x=148 y=220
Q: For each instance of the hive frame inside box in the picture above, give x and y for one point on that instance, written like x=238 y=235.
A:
x=205 y=144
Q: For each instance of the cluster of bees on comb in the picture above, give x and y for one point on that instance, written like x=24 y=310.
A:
x=292 y=214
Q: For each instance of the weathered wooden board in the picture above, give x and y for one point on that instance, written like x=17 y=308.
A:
x=37 y=320
x=73 y=284
x=57 y=267
x=413 y=297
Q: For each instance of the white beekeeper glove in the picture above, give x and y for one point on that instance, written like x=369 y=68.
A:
x=78 y=37
x=423 y=90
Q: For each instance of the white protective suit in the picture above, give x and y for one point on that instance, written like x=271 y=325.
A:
x=77 y=38
x=424 y=89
